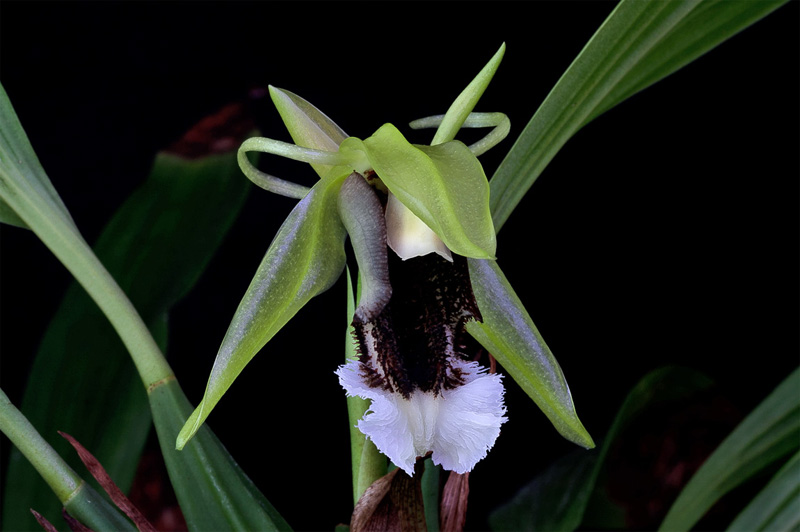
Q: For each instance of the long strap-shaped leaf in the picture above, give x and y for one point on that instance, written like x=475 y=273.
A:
x=638 y=44
x=777 y=506
x=770 y=432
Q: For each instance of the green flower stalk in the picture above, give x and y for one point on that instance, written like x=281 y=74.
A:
x=419 y=221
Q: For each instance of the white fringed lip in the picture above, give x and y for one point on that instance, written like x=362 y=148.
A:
x=457 y=425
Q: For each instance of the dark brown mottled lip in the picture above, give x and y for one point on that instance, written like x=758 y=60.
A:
x=419 y=331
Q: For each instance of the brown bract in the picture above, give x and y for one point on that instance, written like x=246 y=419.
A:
x=393 y=503
x=453 y=513
x=99 y=473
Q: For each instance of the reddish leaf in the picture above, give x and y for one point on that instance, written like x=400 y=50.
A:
x=119 y=498
x=48 y=527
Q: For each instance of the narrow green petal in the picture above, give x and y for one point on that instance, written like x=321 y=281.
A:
x=466 y=101
x=509 y=334
x=305 y=259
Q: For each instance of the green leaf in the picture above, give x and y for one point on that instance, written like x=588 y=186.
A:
x=305 y=259
x=557 y=499
x=767 y=434
x=508 y=333
x=8 y=216
x=213 y=492
x=637 y=45
x=308 y=126
x=444 y=185
x=24 y=185
x=156 y=246
x=777 y=506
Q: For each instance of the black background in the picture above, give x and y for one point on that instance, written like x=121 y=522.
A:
x=663 y=232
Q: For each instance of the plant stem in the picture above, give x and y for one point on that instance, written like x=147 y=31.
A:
x=55 y=471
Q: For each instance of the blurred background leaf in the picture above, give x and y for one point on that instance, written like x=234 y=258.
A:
x=768 y=434
x=557 y=499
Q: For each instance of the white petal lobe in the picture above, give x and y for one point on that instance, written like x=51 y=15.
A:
x=408 y=236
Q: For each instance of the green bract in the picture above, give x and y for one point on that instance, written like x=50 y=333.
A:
x=443 y=185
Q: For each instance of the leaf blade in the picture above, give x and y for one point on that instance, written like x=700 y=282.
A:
x=768 y=433
x=637 y=45
x=777 y=506
x=22 y=178
x=213 y=492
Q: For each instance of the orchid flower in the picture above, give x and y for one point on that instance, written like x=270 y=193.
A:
x=432 y=297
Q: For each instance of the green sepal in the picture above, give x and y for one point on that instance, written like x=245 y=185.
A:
x=463 y=105
x=443 y=185
x=509 y=334
x=308 y=126
x=306 y=257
